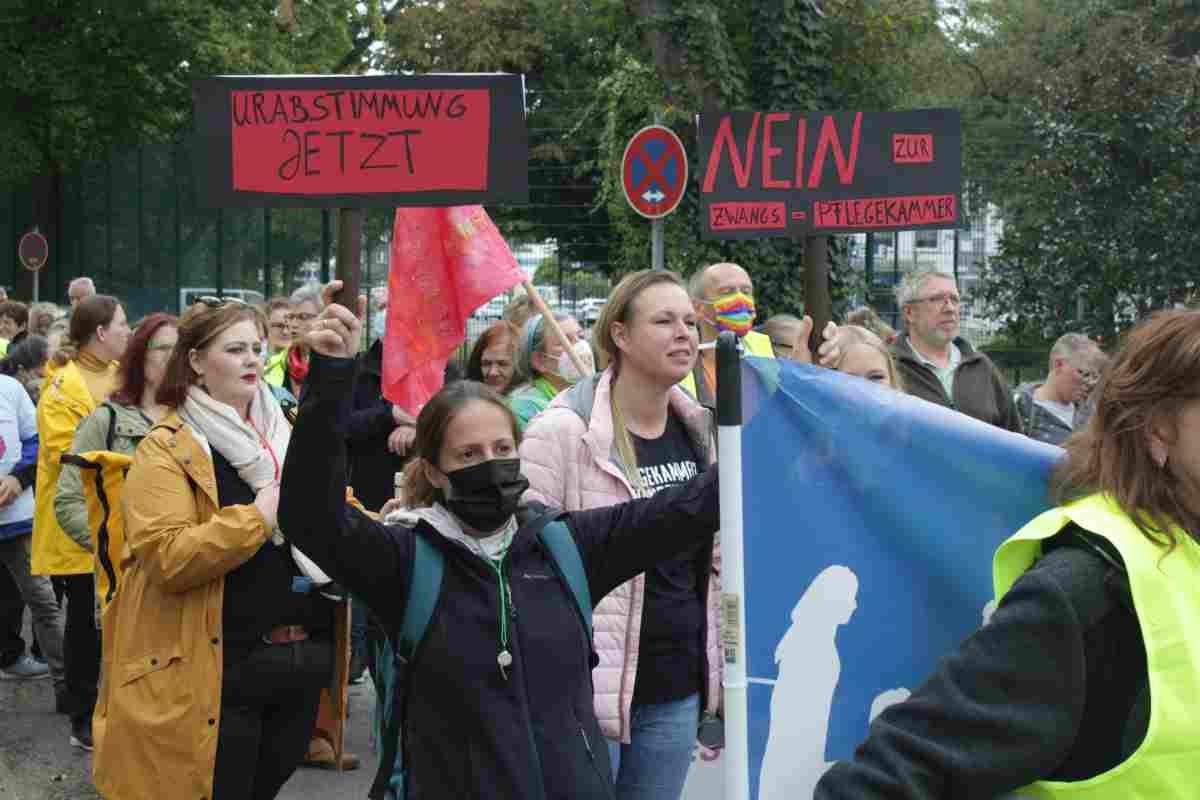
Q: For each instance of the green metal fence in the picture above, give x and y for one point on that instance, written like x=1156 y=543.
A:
x=130 y=223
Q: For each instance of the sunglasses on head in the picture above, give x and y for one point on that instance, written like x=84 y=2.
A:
x=213 y=301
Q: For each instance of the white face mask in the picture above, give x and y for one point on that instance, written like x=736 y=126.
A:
x=566 y=367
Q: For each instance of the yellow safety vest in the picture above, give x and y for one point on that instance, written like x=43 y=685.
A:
x=1167 y=602
x=103 y=473
x=755 y=344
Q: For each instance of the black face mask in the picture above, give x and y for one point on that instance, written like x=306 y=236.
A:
x=485 y=495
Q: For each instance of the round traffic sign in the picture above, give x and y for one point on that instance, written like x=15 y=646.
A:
x=33 y=250
x=654 y=171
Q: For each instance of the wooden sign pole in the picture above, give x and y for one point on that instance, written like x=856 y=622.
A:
x=349 y=256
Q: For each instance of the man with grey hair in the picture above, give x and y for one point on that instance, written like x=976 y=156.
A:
x=1052 y=409
x=938 y=365
x=78 y=289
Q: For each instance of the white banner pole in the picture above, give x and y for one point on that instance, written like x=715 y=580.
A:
x=733 y=577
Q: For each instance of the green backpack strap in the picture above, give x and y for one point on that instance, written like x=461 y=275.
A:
x=556 y=537
x=429 y=565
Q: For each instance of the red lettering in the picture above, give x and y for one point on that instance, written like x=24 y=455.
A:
x=912 y=148
x=724 y=137
x=769 y=153
x=801 y=139
x=829 y=138
x=754 y=216
x=885 y=212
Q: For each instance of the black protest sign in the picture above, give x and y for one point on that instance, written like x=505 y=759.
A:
x=349 y=141
x=788 y=174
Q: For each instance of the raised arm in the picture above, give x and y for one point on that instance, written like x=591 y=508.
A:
x=369 y=558
x=621 y=541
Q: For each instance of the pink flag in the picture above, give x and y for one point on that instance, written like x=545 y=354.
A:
x=446 y=262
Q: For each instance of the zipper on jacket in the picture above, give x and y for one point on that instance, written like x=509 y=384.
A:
x=592 y=758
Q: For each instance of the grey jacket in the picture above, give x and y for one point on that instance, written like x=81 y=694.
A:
x=128 y=426
x=1039 y=423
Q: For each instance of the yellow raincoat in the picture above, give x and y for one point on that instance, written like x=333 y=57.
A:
x=159 y=708
x=65 y=401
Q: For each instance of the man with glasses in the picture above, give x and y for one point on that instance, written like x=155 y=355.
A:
x=1052 y=409
x=938 y=365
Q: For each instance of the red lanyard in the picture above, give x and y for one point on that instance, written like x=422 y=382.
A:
x=265 y=444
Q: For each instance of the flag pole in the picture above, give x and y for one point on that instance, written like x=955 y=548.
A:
x=733 y=578
x=552 y=323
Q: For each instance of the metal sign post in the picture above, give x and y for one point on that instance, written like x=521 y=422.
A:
x=34 y=252
x=654 y=176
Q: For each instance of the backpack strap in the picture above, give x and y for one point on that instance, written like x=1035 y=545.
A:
x=556 y=537
x=424 y=587
x=112 y=424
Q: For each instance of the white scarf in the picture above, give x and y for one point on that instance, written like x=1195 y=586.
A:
x=248 y=447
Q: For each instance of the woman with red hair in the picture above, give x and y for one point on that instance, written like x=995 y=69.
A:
x=121 y=422
x=493 y=359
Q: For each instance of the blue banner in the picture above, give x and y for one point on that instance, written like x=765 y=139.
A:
x=871 y=518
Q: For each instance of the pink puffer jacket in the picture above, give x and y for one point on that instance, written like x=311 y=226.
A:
x=571 y=463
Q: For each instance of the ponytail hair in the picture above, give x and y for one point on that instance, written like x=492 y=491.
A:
x=90 y=313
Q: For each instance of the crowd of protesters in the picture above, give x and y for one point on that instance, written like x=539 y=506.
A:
x=213 y=520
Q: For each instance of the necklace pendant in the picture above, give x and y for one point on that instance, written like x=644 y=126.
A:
x=505 y=660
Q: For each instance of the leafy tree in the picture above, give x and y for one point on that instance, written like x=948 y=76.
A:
x=1098 y=214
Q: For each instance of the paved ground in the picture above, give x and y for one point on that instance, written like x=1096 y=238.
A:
x=37 y=761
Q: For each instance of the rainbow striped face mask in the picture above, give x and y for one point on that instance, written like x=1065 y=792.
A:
x=734 y=312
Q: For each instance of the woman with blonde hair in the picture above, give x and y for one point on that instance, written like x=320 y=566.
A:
x=628 y=432
x=864 y=354
x=1083 y=682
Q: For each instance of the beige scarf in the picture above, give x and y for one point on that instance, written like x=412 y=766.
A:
x=256 y=447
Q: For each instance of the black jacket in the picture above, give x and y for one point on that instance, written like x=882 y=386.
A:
x=372 y=467
x=979 y=389
x=1053 y=688
x=472 y=732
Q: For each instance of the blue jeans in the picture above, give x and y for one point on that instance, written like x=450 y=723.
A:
x=654 y=765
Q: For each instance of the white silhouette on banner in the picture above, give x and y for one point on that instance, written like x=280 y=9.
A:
x=809 y=669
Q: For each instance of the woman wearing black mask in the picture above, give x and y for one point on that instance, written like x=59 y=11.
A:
x=499 y=696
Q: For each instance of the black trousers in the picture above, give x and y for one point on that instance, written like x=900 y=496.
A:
x=12 y=616
x=81 y=645
x=269 y=703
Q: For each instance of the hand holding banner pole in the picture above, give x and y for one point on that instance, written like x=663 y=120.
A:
x=553 y=325
x=733 y=578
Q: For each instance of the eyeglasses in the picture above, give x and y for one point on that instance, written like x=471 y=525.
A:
x=216 y=302
x=301 y=316
x=951 y=300
x=278 y=326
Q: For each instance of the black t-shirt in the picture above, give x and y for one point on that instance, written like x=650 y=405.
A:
x=669 y=650
x=258 y=594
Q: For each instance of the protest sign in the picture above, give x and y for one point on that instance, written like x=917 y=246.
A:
x=353 y=141
x=788 y=174
x=870 y=522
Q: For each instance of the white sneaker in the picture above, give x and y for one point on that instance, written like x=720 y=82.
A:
x=25 y=668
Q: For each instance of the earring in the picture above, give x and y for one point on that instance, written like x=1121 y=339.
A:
x=1158 y=453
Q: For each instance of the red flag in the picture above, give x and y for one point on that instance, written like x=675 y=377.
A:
x=446 y=262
